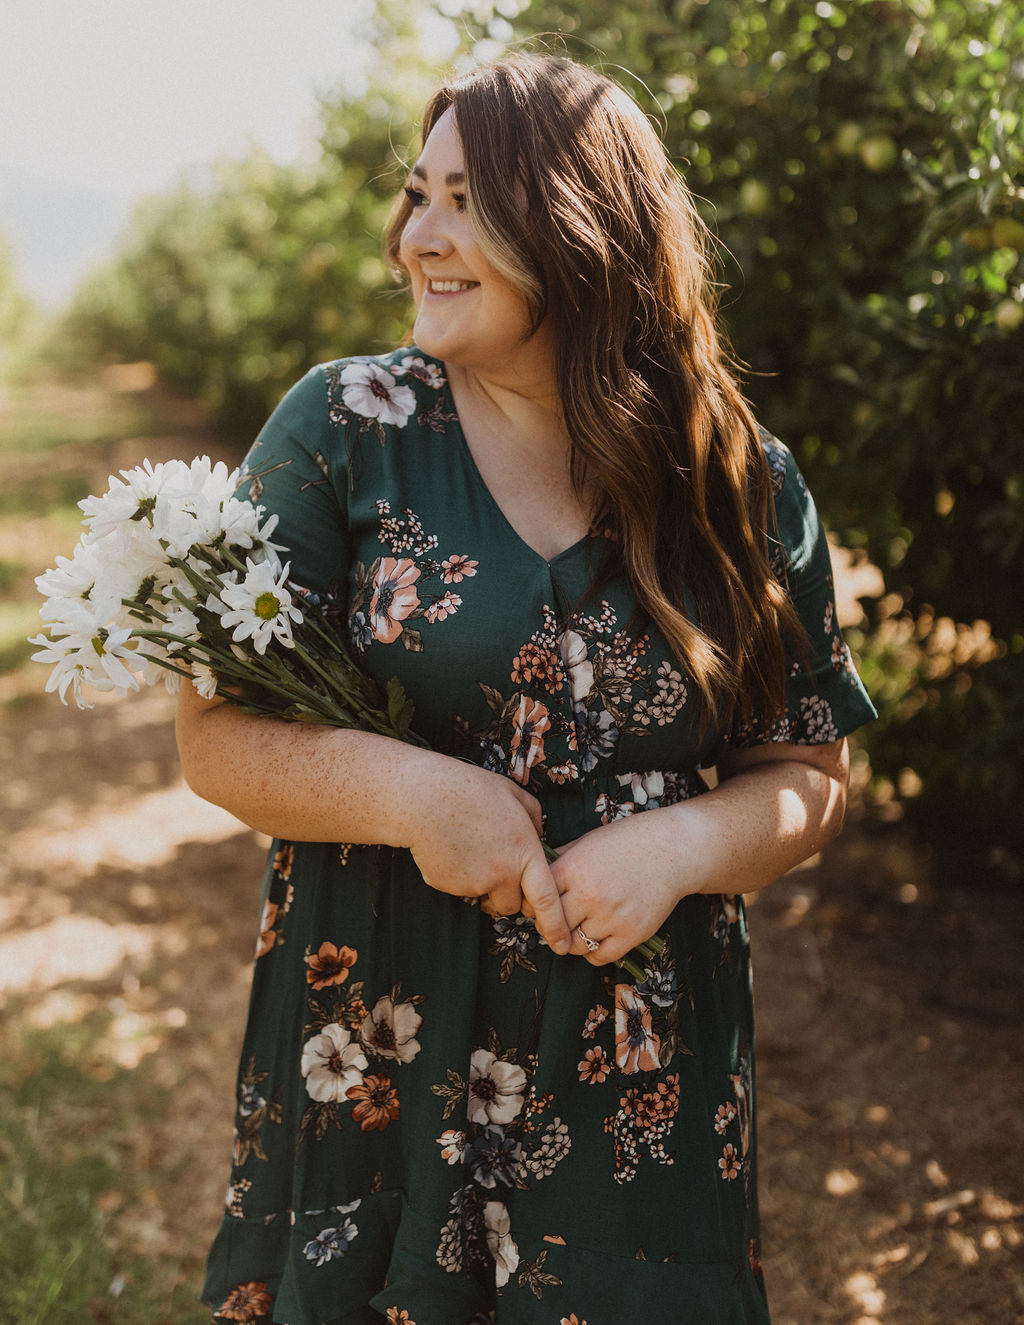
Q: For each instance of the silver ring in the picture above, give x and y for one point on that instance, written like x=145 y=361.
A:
x=591 y=945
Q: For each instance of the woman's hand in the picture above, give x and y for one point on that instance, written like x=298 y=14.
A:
x=477 y=834
x=619 y=883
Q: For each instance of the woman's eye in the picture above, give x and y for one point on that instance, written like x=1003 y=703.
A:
x=415 y=196
x=460 y=201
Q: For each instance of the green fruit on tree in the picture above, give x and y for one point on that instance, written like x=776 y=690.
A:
x=847 y=138
x=755 y=197
x=878 y=152
x=978 y=237
x=1009 y=314
x=1007 y=232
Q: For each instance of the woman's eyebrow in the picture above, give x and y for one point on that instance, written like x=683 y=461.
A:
x=453 y=178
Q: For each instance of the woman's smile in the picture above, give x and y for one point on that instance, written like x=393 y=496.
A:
x=450 y=287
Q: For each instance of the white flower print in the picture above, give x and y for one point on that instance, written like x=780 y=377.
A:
x=332 y=1064
x=644 y=787
x=553 y=1148
x=428 y=373
x=388 y=1031
x=449 y=1254
x=496 y=1089
x=453 y=1145
x=578 y=667
x=330 y=1244
x=499 y=1241
x=815 y=723
x=668 y=698
x=370 y=390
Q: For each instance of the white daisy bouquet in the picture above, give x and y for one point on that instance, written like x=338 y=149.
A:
x=176 y=577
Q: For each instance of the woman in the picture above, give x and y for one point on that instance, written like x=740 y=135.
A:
x=554 y=518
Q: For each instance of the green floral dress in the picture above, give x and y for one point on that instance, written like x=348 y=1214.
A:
x=438 y=1121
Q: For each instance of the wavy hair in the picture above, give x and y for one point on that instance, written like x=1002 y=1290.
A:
x=610 y=246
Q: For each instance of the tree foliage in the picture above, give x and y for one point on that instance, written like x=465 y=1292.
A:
x=234 y=287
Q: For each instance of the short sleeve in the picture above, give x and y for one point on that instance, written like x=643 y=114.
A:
x=825 y=698
x=293 y=469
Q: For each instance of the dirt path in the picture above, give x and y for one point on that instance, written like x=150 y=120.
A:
x=891 y=1115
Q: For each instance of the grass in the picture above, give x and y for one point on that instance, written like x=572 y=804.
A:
x=67 y=1182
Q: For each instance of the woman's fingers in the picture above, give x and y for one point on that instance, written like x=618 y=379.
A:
x=540 y=893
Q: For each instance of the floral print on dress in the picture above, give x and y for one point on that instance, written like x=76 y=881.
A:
x=278 y=901
x=392 y=592
x=248 y=1303
x=335 y=1061
x=584 y=682
x=376 y=1095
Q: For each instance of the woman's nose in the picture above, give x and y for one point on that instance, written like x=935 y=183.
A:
x=426 y=235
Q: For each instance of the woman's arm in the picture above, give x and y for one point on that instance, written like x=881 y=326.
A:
x=471 y=833
x=775 y=805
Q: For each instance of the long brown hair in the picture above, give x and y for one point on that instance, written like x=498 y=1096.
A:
x=610 y=245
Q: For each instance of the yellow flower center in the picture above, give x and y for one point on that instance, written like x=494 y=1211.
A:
x=267 y=606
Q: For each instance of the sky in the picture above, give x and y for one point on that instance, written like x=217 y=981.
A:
x=101 y=100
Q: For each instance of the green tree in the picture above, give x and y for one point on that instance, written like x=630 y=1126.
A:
x=235 y=288
x=861 y=162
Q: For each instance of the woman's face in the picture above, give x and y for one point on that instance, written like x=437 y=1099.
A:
x=467 y=313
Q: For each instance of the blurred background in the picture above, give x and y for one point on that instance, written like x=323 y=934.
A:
x=191 y=202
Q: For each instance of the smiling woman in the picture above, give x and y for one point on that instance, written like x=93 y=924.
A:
x=553 y=517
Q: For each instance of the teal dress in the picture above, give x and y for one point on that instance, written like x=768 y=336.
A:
x=438 y=1121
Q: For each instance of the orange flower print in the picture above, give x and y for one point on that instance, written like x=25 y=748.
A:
x=397 y=1317
x=595 y=1018
x=536 y=662
x=394 y=597
x=248 y=1302
x=561 y=773
x=283 y=858
x=636 y=1045
x=572 y=1320
x=444 y=607
x=594 y=1066
x=456 y=569
x=268 y=935
x=526 y=746
x=329 y=965
x=726 y=1113
x=730 y=1163
x=376 y=1103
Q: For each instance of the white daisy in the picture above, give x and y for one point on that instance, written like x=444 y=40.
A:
x=83 y=651
x=260 y=607
x=204 y=680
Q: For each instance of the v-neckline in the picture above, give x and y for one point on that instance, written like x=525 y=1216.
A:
x=481 y=483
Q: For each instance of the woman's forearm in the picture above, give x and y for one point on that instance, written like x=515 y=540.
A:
x=304 y=782
x=759 y=823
